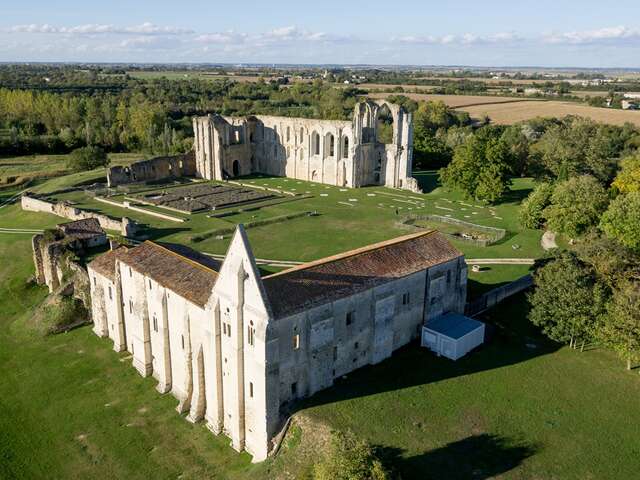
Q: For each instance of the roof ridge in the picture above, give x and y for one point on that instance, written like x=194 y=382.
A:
x=182 y=257
x=351 y=253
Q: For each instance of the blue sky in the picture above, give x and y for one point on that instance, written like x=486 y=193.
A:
x=491 y=33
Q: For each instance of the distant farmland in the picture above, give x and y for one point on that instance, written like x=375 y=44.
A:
x=508 y=110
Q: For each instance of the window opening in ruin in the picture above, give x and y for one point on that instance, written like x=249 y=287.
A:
x=345 y=147
x=316 y=143
x=236 y=168
x=155 y=323
x=350 y=317
x=182 y=341
x=356 y=345
x=250 y=333
x=130 y=306
x=335 y=353
x=110 y=294
x=384 y=125
x=294 y=389
x=94 y=281
x=288 y=134
x=405 y=298
x=130 y=272
x=251 y=389
x=332 y=145
x=296 y=341
x=150 y=285
x=448 y=276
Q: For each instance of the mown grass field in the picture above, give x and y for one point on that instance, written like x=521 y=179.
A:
x=348 y=218
x=519 y=408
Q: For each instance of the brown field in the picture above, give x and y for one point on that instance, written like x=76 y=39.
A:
x=455 y=101
x=508 y=113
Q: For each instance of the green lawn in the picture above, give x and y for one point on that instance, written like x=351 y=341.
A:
x=70 y=409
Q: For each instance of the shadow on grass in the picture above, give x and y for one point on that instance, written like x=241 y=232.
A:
x=477 y=457
x=413 y=365
x=428 y=180
x=147 y=232
x=516 y=196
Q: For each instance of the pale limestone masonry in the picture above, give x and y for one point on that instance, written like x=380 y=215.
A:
x=125 y=226
x=335 y=152
x=237 y=349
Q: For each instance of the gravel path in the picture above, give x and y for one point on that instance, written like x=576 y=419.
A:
x=548 y=241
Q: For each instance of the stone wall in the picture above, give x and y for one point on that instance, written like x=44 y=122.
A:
x=124 y=226
x=334 y=152
x=154 y=169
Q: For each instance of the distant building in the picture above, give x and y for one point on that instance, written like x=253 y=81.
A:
x=629 y=105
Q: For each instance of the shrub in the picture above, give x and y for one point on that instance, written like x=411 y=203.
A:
x=87 y=158
x=531 y=212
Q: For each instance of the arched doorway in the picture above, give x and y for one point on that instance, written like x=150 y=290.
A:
x=236 y=168
x=384 y=125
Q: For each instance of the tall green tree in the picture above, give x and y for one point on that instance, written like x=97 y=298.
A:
x=576 y=205
x=531 y=213
x=622 y=220
x=621 y=327
x=567 y=300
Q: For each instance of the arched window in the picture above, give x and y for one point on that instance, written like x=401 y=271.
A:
x=384 y=125
x=288 y=151
x=301 y=134
x=315 y=140
x=332 y=145
x=288 y=134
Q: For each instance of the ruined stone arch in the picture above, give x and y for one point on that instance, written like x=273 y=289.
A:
x=384 y=125
x=329 y=145
x=345 y=147
x=315 y=143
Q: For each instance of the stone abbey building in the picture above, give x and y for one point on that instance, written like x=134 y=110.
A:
x=343 y=153
x=236 y=349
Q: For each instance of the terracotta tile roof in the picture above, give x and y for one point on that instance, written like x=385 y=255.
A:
x=84 y=228
x=105 y=264
x=186 y=272
x=328 y=279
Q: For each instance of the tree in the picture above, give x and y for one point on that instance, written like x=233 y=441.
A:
x=576 y=205
x=531 y=212
x=567 y=300
x=622 y=220
x=621 y=327
x=87 y=158
x=480 y=167
x=628 y=179
x=611 y=261
x=350 y=459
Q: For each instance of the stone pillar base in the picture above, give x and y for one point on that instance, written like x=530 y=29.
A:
x=182 y=407
x=163 y=387
x=193 y=418
x=214 y=426
x=99 y=332
x=119 y=347
x=143 y=369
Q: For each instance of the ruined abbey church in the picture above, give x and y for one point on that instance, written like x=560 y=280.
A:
x=342 y=153
x=236 y=348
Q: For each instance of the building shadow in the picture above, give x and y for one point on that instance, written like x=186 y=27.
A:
x=477 y=457
x=513 y=340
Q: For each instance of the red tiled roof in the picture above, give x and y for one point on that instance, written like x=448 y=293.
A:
x=182 y=270
x=105 y=264
x=328 y=279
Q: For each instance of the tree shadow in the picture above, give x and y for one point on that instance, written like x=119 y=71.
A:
x=516 y=196
x=156 y=233
x=476 y=457
x=428 y=180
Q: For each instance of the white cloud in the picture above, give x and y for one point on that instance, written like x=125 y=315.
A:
x=609 y=35
x=460 y=39
x=96 y=29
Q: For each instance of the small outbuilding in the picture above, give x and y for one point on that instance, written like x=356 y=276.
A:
x=452 y=335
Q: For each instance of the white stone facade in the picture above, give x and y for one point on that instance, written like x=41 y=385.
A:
x=236 y=355
x=335 y=152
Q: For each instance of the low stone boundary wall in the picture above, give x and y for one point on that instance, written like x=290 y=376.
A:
x=257 y=223
x=494 y=234
x=125 y=226
x=262 y=187
x=497 y=295
x=128 y=206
